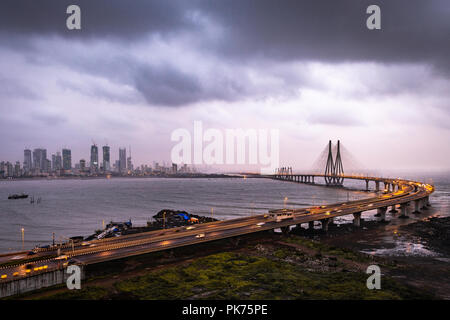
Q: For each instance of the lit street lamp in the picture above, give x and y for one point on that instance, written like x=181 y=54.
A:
x=23 y=238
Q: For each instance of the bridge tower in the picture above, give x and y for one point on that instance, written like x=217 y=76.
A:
x=334 y=169
x=329 y=169
x=338 y=167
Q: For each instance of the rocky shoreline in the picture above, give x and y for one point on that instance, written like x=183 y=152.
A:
x=435 y=231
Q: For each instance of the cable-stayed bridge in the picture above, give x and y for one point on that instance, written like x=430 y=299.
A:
x=333 y=163
x=50 y=264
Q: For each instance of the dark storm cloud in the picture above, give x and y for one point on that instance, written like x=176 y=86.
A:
x=117 y=18
x=266 y=31
x=412 y=30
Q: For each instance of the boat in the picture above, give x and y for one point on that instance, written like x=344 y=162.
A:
x=18 y=196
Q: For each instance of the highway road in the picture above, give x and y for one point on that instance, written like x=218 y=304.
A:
x=140 y=243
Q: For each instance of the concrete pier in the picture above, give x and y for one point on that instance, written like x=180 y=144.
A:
x=285 y=230
x=382 y=213
x=427 y=200
x=325 y=223
x=357 y=219
x=367 y=185
x=377 y=185
x=417 y=206
x=404 y=210
x=393 y=210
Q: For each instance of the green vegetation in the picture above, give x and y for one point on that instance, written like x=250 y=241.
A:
x=236 y=276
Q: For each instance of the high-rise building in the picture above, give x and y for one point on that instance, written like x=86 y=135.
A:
x=94 y=158
x=67 y=159
x=122 y=160
x=27 y=164
x=58 y=161
x=17 y=171
x=40 y=160
x=129 y=164
x=82 y=165
x=106 y=159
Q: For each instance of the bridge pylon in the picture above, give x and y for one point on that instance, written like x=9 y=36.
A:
x=334 y=170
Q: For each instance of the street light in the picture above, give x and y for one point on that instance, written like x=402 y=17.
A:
x=23 y=238
x=285 y=199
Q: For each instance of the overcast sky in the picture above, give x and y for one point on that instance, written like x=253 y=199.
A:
x=137 y=70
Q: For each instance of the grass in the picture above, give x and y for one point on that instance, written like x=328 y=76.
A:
x=231 y=275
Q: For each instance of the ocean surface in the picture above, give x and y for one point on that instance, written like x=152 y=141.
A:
x=73 y=207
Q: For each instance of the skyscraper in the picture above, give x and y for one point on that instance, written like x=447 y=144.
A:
x=94 y=158
x=129 y=163
x=58 y=161
x=122 y=160
x=106 y=159
x=82 y=165
x=27 y=164
x=67 y=159
x=40 y=160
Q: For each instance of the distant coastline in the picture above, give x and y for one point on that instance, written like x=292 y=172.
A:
x=78 y=177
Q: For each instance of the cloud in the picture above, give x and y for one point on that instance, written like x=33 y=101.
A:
x=100 y=18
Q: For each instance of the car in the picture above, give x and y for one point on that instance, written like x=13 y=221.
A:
x=200 y=235
x=260 y=224
x=190 y=228
x=30 y=253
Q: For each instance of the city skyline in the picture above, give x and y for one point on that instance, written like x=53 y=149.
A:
x=383 y=92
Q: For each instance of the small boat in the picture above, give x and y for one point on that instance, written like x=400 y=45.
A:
x=18 y=196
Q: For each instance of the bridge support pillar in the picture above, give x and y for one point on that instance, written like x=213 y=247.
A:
x=377 y=185
x=325 y=223
x=404 y=210
x=367 y=185
x=417 y=206
x=423 y=204
x=311 y=225
x=427 y=201
x=285 y=230
x=381 y=212
x=393 y=210
x=357 y=219
x=313 y=179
